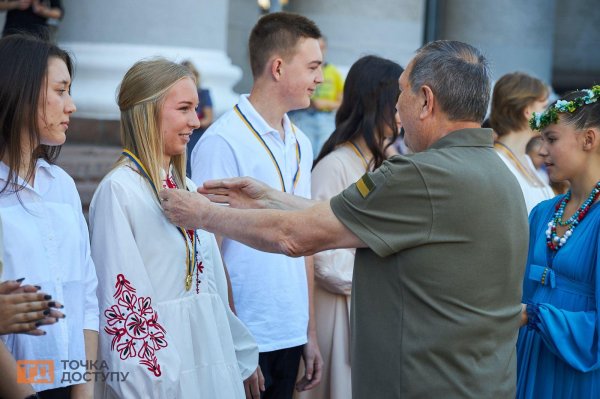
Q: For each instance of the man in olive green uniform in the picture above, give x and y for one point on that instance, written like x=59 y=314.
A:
x=442 y=238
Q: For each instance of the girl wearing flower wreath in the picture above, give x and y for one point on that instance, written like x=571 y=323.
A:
x=165 y=323
x=559 y=342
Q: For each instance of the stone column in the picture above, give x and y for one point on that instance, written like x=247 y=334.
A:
x=107 y=37
x=514 y=35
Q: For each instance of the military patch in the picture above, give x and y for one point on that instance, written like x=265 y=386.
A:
x=365 y=185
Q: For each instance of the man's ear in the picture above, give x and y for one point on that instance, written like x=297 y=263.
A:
x=276 y=68
x=427 y=101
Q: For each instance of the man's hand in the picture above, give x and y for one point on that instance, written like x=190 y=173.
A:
x=238 y=192
x=313 y=365
x=255 y=384
x=184 y=209
x=23 y=309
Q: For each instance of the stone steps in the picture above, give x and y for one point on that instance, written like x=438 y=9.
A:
x=87 y=165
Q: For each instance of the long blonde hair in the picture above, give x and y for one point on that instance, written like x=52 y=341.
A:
x=141 y=97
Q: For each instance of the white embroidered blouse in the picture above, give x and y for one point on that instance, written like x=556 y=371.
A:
x=173 y=343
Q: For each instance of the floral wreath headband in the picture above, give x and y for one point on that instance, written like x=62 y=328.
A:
x=540 y=120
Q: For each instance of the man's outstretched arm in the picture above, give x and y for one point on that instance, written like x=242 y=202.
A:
x=293 y=233
x=249 y=193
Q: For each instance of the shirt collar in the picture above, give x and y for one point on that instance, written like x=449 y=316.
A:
x=481 y=137
x=40 y=164
x=261 y=126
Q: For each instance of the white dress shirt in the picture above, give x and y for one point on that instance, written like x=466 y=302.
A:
x=270 y=290
x=46 y=241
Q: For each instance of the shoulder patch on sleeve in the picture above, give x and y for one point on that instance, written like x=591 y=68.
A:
x=365 y=185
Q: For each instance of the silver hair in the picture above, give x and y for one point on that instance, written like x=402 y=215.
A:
x=459 y=76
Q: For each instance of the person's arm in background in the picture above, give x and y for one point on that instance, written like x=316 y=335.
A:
x=9 y=387
x=45 y=11
x=7 y=5
x=91 y=309
x=313 y=362
x=229 y=289
x=81 y=391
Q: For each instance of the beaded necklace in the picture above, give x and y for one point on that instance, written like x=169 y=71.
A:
x=553 y=241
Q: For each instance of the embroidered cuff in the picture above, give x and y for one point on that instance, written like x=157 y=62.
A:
x=533 y=316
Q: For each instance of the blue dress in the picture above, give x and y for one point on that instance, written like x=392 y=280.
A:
x=558 y=351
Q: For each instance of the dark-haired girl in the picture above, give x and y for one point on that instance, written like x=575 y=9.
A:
x=45 y=234
x=365 y=123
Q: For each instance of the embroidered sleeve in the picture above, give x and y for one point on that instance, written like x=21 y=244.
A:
x=134 y=326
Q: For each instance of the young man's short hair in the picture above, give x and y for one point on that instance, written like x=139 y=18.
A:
x=278 y=33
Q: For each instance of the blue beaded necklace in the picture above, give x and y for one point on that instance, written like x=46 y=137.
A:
x=553 y=241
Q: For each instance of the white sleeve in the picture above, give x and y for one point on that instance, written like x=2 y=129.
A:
x=213 y=158
x=123 y=284
x=246 y=349
x=91 y=315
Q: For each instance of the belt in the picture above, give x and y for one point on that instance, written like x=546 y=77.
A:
x=550 y=278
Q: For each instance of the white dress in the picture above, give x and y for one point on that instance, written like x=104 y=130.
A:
x=533 y=194
x=333 y=277
x=173 y=343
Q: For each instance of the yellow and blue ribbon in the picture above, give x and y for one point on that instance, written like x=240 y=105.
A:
x=271 y=155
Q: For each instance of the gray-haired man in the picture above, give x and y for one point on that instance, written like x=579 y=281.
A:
x=442 y=238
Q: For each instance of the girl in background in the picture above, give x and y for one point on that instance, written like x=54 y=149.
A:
x=365 y=125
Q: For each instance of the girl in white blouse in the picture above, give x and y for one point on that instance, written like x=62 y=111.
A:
x=165 y=320
x=45 y=234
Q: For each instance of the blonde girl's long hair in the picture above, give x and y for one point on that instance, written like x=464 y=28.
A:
x=141 y=97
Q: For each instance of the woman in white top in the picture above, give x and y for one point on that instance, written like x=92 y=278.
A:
x=45 y=234
x=365 y=126
x=516 y=96
x=165 y=319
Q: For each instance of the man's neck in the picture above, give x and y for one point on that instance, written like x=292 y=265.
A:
x=446 y=127
x=269 y=107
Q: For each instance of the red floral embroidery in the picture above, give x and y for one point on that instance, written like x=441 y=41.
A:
x=134 y=326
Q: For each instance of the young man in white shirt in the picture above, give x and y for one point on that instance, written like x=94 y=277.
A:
x=271 y=292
